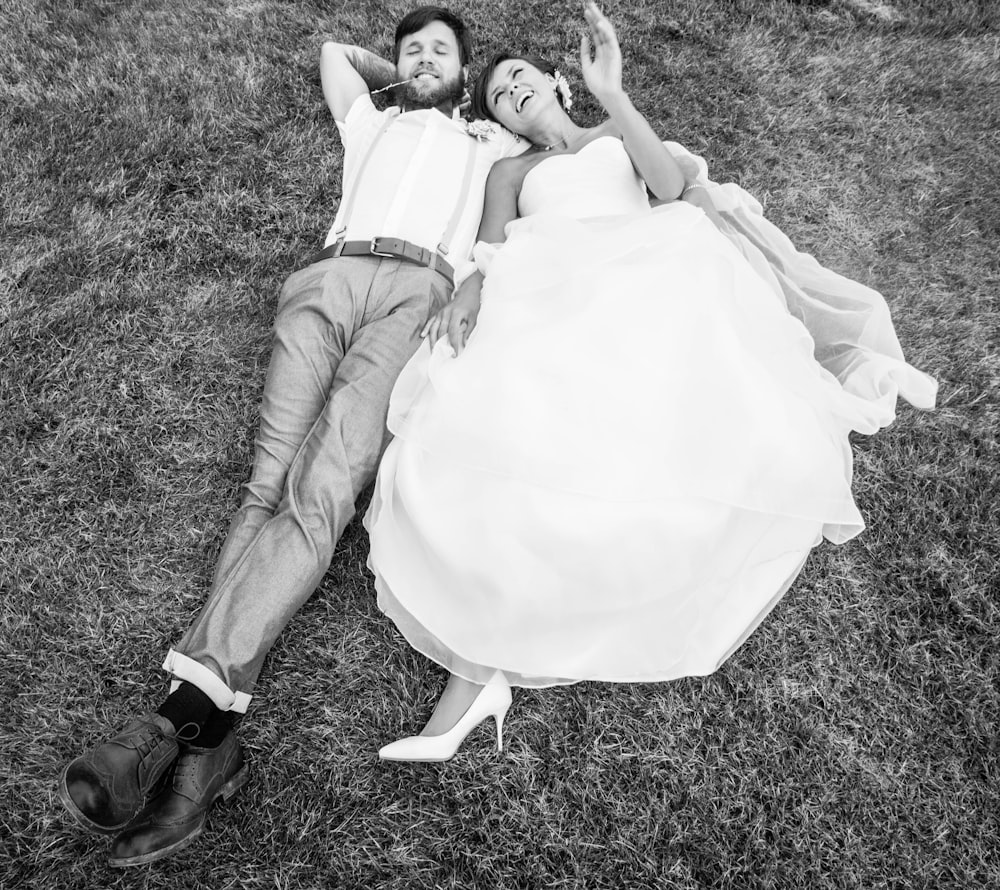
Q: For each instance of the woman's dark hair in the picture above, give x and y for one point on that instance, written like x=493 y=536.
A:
x=422 y=16
x=481 y=107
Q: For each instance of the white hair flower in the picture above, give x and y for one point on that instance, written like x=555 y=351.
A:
x=561 y=87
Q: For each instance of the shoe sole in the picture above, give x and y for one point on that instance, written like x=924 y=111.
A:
x=78 y=814
x=226 y=792
x=416 y=759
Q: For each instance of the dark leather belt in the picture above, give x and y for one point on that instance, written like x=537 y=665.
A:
x=396 y=248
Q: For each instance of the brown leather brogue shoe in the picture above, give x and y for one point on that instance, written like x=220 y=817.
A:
x=105 y=787
x=176 y=816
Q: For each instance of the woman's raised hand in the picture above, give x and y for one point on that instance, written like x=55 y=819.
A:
x=603 y=72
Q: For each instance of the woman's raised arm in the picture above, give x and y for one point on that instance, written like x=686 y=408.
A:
x=602 y=73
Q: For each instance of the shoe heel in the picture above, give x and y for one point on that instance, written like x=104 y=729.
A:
x=499 y=718
x=233 y=786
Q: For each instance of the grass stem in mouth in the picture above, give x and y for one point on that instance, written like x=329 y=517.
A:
x=390 y=86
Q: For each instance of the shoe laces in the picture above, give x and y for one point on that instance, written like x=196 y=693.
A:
x=153 y=737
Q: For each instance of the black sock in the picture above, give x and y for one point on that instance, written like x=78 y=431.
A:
x=215 y=729
x=187 y=705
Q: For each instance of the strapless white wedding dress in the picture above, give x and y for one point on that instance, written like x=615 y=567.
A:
x=629 y=464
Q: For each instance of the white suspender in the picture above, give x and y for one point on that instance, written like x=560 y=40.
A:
x=349 y=201
x=463 y=194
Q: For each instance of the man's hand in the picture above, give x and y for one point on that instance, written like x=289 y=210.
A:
x=348 y=72
x=457 y=318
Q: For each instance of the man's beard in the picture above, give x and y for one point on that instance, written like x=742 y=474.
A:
x=413 y=95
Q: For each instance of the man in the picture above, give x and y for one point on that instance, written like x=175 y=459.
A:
x=345 y=326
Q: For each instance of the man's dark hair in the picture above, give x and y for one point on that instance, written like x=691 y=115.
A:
x=481 y=107
x=422 y=16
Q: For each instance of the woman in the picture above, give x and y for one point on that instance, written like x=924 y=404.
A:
x=628 y=466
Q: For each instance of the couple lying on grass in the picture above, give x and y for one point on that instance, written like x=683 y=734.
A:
x=626 y=430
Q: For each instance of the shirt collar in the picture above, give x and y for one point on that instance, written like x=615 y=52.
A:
x=456 y=118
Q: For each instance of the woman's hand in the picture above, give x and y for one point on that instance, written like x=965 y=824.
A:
x=698 y=196
x=603 y=72
x=457 y=318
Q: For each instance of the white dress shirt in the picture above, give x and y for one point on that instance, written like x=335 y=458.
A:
x=411 y=184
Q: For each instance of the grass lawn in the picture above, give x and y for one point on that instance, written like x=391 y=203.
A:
x=166 y=163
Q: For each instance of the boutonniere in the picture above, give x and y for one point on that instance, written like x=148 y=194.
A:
x=481 y=130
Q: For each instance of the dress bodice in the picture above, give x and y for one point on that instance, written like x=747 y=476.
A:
x=597 y=180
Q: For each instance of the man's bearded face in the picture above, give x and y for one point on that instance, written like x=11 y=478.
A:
x=429 y=60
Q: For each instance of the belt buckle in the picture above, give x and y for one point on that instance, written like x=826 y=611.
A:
x=373 y=248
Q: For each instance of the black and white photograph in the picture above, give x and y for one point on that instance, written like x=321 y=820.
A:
x=500 y=446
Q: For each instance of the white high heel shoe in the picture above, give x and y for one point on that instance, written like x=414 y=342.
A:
x=493 y=701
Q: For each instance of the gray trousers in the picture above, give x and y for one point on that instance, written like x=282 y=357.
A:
x=343 y=331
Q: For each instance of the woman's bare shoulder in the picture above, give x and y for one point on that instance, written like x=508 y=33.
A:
x=510 y=172
x=511 y=168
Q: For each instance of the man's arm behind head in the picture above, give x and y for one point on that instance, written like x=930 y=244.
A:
x=349 y=71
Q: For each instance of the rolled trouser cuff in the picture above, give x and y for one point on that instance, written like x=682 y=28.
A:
x=195 y=673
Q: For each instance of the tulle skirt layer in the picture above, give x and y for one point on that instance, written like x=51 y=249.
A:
x=623 y=472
